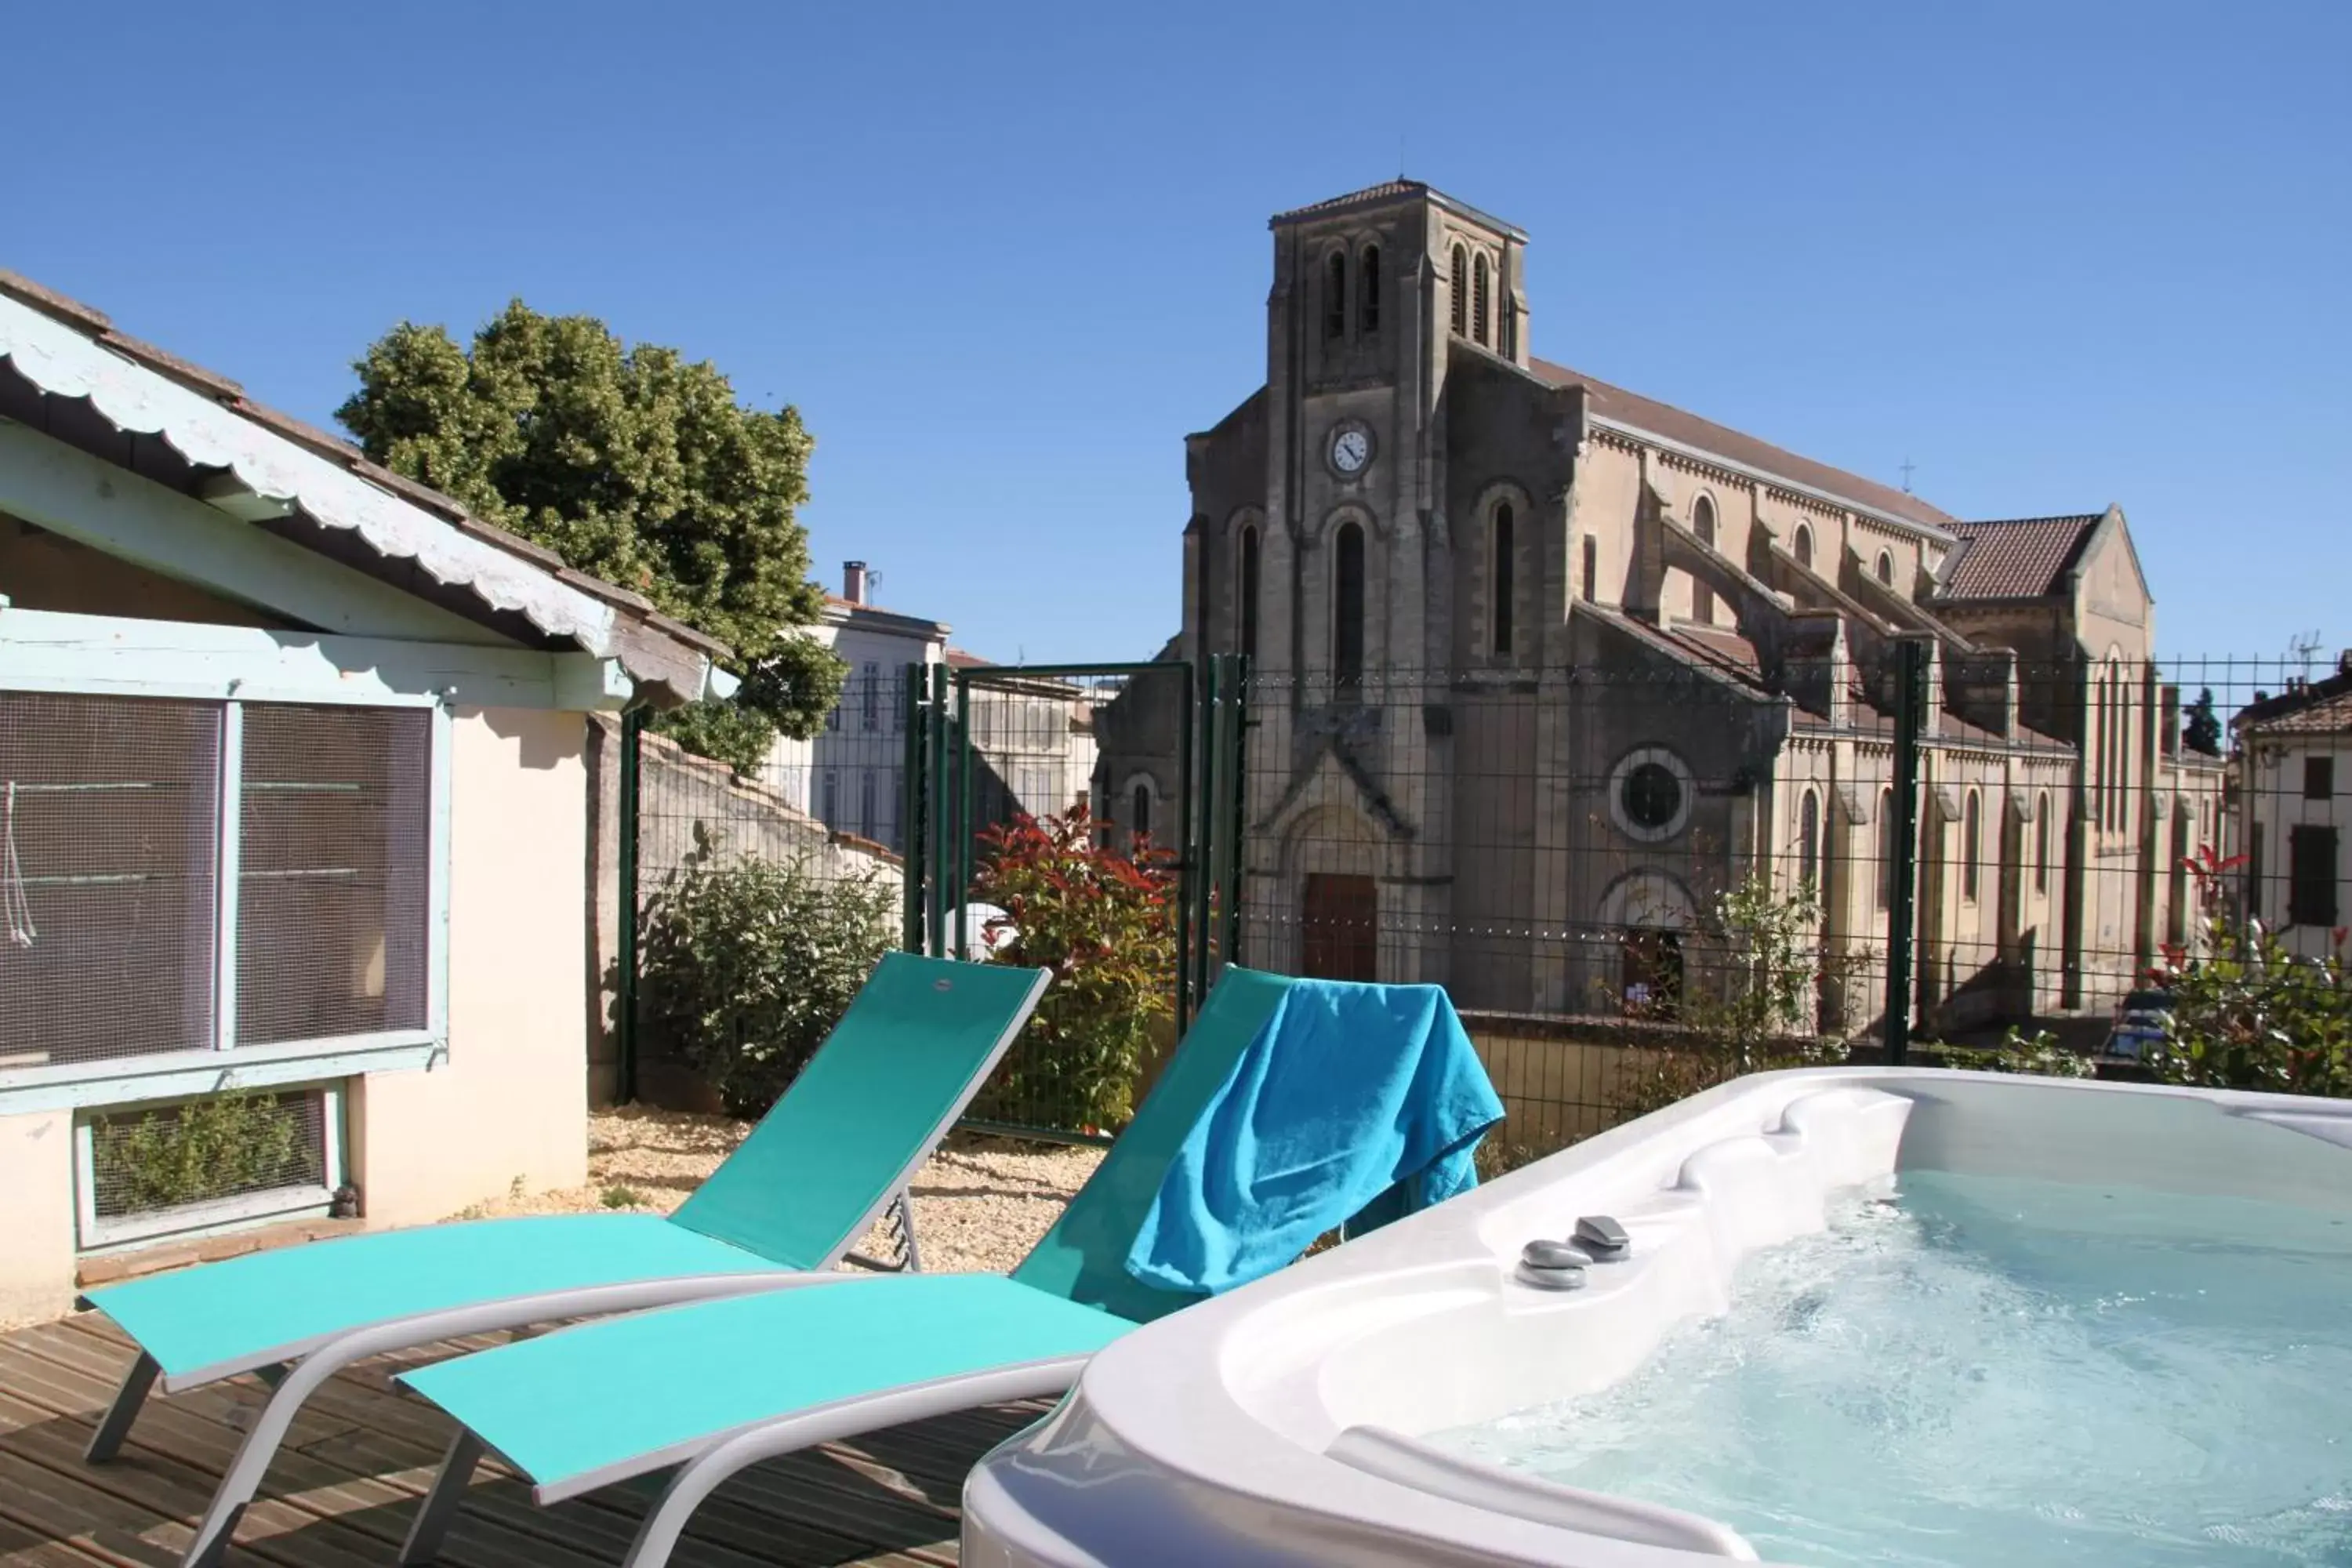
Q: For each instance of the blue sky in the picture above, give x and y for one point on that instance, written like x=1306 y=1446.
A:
x=1003 y=258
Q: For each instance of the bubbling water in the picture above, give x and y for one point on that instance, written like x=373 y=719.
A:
x=1993 y=1370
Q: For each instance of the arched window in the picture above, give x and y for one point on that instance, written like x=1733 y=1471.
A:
x=2121 y=794
x=1335 y=296
x=1972 y=844
x=1500 y=578
x=1591 y=570
x=1886 y=848
x=1245 y=588
x=1478 y=299
x=1138 y=811
x=1808 y=838
x=1461 y=291
x=1887 y=568
x=1368 y=286
x=1703 y=524
x=1802 y=547
x=2042 y=844
x=1348 y=606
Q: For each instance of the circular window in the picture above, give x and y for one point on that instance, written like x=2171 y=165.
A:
x=1650 y=794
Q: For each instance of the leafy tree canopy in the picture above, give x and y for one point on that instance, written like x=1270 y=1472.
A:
x=633 y=465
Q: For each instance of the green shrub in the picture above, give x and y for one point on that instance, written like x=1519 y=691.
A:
x=1757 y=1021
x=2038 y=1053
x=2247 y=1013
x=746 y=964
x=239 y=1141
x=1104 y=922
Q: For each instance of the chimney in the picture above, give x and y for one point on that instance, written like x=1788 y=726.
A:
x=853 y=580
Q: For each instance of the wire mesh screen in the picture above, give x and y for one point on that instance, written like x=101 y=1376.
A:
x=205 y=1150
x=332 y=875
x=108 y=821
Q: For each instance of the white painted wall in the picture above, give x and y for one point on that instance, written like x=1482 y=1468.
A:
x=511 y=1103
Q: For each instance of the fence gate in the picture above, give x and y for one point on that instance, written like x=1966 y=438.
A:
x=1152 y=754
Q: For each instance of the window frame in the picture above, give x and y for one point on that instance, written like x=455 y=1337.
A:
x=1809 y=838
x=1973 y=848
x=1703 y=528
x=2313 y=875
x=1349 y=603
x=2318 y=775
x=1502 y=580
x=133 y=1080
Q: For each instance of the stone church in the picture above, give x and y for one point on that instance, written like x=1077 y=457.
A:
x=1542 y=667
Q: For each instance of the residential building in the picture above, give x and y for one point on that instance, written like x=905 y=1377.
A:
x=850 y=776
x=2295 y=803
x=1034 y=737
x=1544 y=664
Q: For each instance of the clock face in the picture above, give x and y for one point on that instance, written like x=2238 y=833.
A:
x=1351 y=449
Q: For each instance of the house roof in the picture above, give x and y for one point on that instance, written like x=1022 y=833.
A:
x=2322 y=708
x=405 y=534
x=1631 y=411
x=2014 y=558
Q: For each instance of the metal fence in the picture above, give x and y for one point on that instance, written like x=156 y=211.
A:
x=1631 y=875
x=1637 y=876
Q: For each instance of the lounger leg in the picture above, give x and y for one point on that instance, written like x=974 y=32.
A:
x=441 y=1504
x=906 y=1207
x=277 y=1417
x=289 y=1389
x=107 y=1441
x=658 y=1536
x=901 y=1211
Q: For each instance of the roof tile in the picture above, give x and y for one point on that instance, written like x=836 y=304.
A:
x=2016 y=558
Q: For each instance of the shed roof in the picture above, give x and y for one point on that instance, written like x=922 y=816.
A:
x=66 y=349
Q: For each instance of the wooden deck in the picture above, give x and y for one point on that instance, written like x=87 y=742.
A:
x=342 y=1491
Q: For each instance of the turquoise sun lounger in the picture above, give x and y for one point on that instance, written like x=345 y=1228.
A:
x=833 y=1156
x=708 y=1389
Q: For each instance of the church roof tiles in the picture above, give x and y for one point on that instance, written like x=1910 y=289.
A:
x=2016 y=558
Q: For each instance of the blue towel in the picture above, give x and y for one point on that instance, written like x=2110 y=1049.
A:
x=1352 y=1099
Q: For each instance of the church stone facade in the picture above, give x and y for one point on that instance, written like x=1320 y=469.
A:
x=1541 y=667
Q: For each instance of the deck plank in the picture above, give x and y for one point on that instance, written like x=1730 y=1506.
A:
x=341 y=1494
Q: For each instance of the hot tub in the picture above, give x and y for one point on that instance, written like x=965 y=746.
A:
x=1351 y=1408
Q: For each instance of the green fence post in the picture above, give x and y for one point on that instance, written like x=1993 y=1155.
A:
x=1901 y=914
x=959 y=844
x=912 y=711
x=1238 y=754
x=1185 y=867
x=935 y=833
x=624 y=1074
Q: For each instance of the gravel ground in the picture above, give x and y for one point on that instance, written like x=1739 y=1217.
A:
x=980 y=1202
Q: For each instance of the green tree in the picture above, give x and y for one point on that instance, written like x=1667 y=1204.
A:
x=635 y=465
x=2203 y=730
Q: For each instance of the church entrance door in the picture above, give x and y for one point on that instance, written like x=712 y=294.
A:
x=1342 y=927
